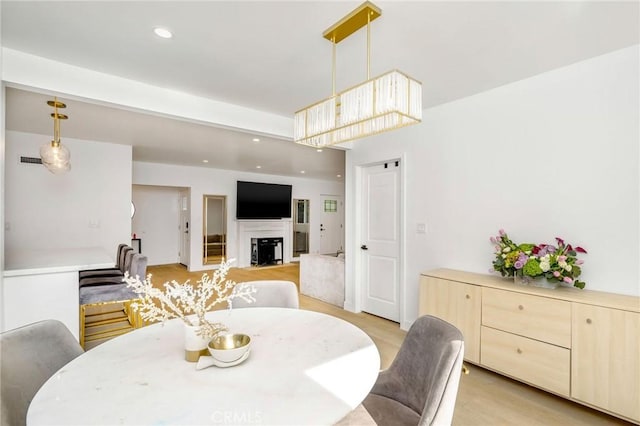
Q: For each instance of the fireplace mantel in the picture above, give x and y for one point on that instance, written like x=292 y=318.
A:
x=248 y=229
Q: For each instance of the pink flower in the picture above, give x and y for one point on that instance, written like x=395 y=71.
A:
x=562 y=258
x=568 y=280
x=579 y=262
x=560 y=241
x=580 y=250
x=501 y=232
x=493 y=240
x=556 y=274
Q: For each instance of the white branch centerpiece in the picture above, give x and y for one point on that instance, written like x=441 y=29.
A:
x=187 y=302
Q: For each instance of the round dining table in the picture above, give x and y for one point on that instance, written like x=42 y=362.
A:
x=304 y=368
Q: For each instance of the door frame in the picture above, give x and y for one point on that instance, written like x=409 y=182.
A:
x=354 y=243
x=205 y=221
x=184 y=205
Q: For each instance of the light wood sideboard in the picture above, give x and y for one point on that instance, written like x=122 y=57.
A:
x=579 y=344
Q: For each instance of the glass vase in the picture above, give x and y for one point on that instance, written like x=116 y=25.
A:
x=521 y=279
x=545 y=283
x=535 y=282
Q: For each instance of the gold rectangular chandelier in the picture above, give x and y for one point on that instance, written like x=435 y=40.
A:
x=389 y=101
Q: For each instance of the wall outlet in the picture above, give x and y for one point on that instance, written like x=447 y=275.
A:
x=421 y=228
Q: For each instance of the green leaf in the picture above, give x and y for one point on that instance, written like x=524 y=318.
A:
x=526 y=246
x=575 y=271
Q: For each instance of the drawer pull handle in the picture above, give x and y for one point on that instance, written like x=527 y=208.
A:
x=519 y=350
x=588 y=320
x=468 y=297
x=520 y=307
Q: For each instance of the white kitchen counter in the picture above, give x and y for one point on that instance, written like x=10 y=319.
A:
x=43 y=284
x=322 y=277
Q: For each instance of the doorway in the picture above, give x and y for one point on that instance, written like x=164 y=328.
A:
x=214 y=229
x=381 y=239
x=300 y=227
x=159 y=222
x=331 y=224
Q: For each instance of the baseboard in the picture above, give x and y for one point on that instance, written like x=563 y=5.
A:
x=406 y=325
x=348 y=306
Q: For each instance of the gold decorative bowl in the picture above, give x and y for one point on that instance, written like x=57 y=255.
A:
x=229 y=347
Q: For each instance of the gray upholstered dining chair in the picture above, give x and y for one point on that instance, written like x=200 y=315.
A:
x=421 y=385
x=111 y=297
x=115 y=271
x=29 y=356
x=115 y=276
x=272 y=294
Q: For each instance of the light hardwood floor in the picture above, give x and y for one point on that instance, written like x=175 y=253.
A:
x=484 y=398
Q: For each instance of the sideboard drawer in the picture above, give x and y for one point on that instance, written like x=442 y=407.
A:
x=540 y=364
x=539 y=318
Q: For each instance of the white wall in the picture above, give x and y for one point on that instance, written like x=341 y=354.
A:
x=553 y=155
x=86 y=207
x=157 y=222
x=207 y=181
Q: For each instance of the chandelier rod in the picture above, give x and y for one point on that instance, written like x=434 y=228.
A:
x=358 y=18
x=368 y=46
x=56 y=120
x=333 y=68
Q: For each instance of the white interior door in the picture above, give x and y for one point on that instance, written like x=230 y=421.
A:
x=185 y=228
x=331 y=224
x=380 y=245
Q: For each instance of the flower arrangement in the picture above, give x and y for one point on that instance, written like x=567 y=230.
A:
x=187 y=302
x=555 y=263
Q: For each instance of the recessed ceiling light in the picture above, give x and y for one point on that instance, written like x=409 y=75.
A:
x=256 y=139
x=162 y=32
x=339 y=176
x=318 y=150
x=302 y=171
x=205 y=161
x=258 y=167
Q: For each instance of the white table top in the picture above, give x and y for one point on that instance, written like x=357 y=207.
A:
x=34 y=262
x=304 y=368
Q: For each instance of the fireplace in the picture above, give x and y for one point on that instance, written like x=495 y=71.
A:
x=267 y=251
x=276 y=253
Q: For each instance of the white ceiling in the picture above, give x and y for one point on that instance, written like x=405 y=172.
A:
x=271 y=56
x=162 y=140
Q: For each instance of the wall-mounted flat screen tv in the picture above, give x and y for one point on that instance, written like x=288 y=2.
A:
x=263 y=201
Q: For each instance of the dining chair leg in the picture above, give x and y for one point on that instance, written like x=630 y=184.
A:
x=134 y=316
x=109 y=319
x=82 y=325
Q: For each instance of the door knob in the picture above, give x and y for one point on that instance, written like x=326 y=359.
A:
x=364 y=247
